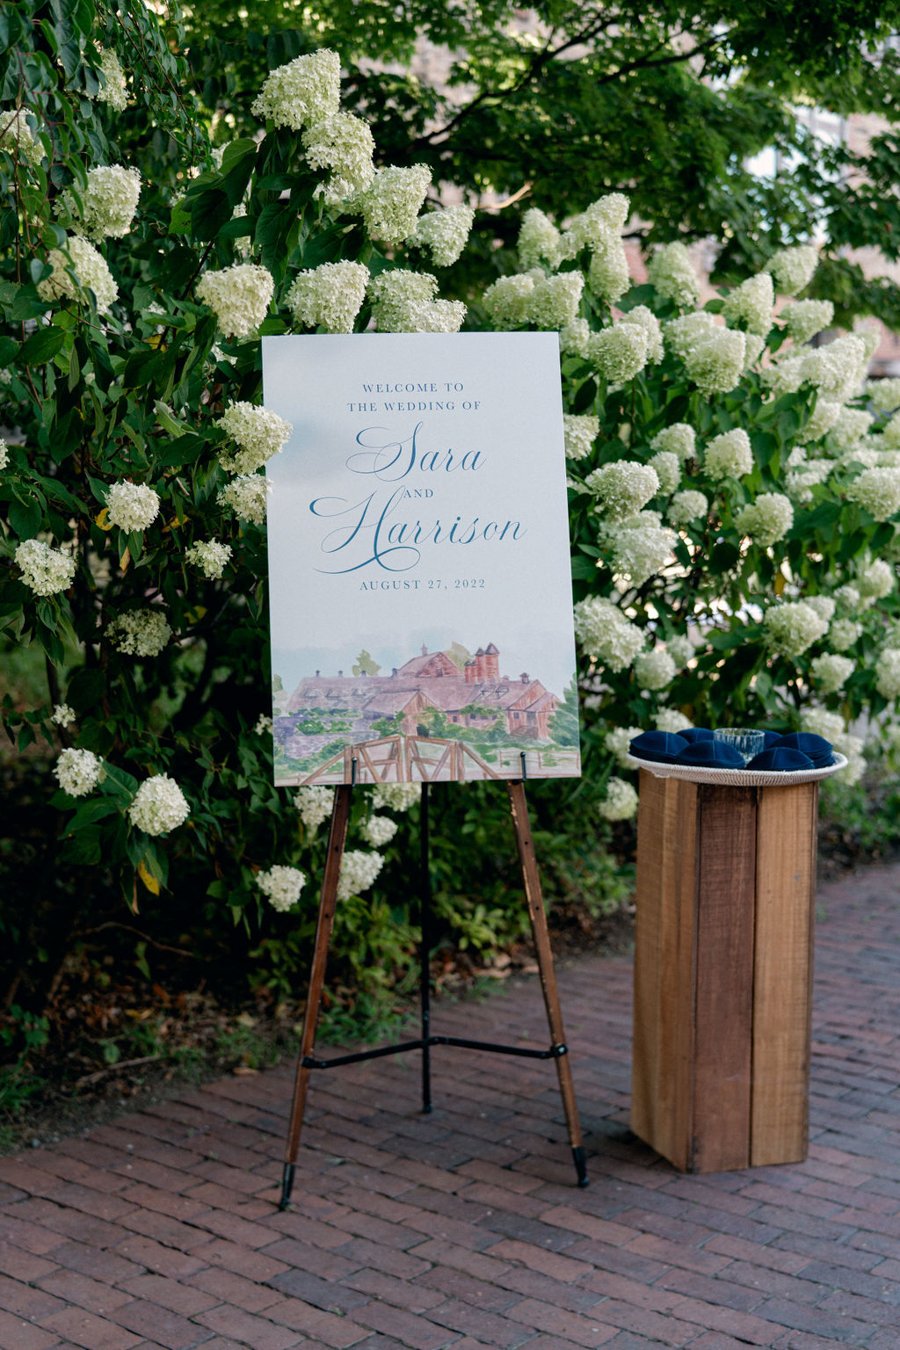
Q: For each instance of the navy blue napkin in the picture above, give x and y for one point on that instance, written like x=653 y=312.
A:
x=659 y=746
x=711 y=755
x=817 y=748
x=782 y=758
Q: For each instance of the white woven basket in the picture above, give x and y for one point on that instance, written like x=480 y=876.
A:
x=698 y=773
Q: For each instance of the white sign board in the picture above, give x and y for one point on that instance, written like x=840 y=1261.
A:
x=420 y=592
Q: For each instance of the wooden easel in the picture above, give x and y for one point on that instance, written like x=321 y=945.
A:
x=558 y=1050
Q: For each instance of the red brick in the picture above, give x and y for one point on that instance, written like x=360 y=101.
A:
x=586 y=1331
x=18 y=1335
x=227 y=1287
x=252 y=1265
x=23 y=1265
x=84 y=1292
x=406 y=1327
x=337 y=1332
x=248 y=1329
x=537 y=1258
x=171 y=1294
x=92 y=1333
x=159 y=1325
x=21 y=1299
x=163 y=1260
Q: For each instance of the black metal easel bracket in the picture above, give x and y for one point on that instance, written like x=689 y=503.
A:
x=492 y=1047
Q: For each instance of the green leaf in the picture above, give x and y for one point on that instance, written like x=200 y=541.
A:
x=25 y=517
x=42 y=346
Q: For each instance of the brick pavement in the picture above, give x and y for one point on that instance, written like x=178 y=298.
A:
x=463 y=1229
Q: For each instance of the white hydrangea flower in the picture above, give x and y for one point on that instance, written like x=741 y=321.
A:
x=257 y=432
x=18 y=139
x=890 y=433
x=132 y=506
x=821 y=722
x=508 y=300
x=887 y=673
x=729 y=455
x=329 y=296
x=848 y=598
x=617 y=742
x=620 y=802
x=884 y=394
x=91 y=273
x=754 y=346
x=159 y=805
x=113 y=89
x=687 y=506
x=646 y=319
x=836 y=370
x=654 y=670
x=580 y=430
x=281 y=886
x=667 y=466
x=574 y=338
x=396 y=796
x=78 y=772
x=358 y=872
x=608 y=275
x=4 y=453
x=767 y=519
x=845 y=633
x=804 y=318
x=45 y=570
x=751 y=303
x=619 y=353
x=669 y=719
x=681 y=649
x=210 y=556
x=853 y=748
x=805 y=474
x=824 y=416
x=345 y=145
x=824 y=606
x=671 y=273
x=140 y=632
x=639 y=547
x=108 y=201
x=786 y=376
x=264 y=725
x=539 y=240
x=554 y=301
x=402 y=302
x=302 y=92
x=245 y=496
x=793 y=268
x=877 y=491
x=391 y=203
x=876 y=580
x=239 y=296
x=315 y=805
x=792 y=627
x=378 y=830
x=444 y=233
x=605 y=634
x=684 y=333
x=63 y=715
x=851 y=427
x=608 y=214
x=716 y=364
x=679 y=438
x=623 y=487
x=830 y=672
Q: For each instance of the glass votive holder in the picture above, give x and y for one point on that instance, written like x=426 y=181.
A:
x=745 y=740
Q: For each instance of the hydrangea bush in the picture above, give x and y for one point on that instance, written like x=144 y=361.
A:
x=733 y=488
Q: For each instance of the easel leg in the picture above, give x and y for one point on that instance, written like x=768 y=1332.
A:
x=336 y=839
x=534 y=896
x=425 y=952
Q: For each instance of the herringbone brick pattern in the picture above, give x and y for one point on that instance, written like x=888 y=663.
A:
x=464 y=1229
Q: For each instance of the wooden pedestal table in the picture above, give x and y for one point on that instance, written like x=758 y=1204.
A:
x=723 y=964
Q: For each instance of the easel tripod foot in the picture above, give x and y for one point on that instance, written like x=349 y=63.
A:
x=287 y=1185
x=579 y=1157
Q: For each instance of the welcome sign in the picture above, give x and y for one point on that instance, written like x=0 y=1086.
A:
x=420 y=592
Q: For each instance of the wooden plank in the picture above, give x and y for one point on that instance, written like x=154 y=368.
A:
x=726 y=888
x=785 y=894
x=662 y=1105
